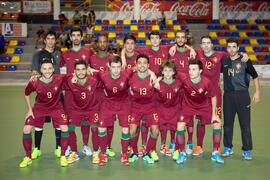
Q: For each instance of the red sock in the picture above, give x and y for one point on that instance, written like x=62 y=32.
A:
x=124 y=143
x=95 y=138
x=172 y=136
x=72 y=141
x=190 y=134
x=64 y=142
x=163 y=134
x=102 y=139
x=151 y=144
x=180 y=137
x=200 y=134
x=134 y=142
x=144 y=131
x=27 y=144
x=110 y=135
x=85 y=134
x=217 y=133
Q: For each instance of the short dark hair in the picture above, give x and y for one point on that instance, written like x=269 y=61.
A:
x=142 y=56
x=206 y=37
x=154 y=33
x=130 y=36
x=169 y=64
x=233 y=40
x=80 y=62
x=45 y=61
x=181 y=31
x=51 y=33
x=115 y=59
x=196 y=61
x=75 y=30
x=103 y=35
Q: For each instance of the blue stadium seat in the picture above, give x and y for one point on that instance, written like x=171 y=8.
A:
x=119 y=22
x=210 y=27
x=126 y=33
x=175 y=22
x=244 y=21
x=110 y=41
x=127 y=28
x=18 y=51
x=141 y=42
x=267 y=57
x=112 y=28
x=55 y=22
x=217 y=48
x=235 y=34
x=242 y=49
x=215 y=21
x=98 y=22
x=68 y=28
x=261 y=41
x=133 y=22
x=96 y=34
x=267 y=27
x=257 y=34
x=119 y=35
x=240 y=27
x=1 y=59
x=12 y=68
x=230 y=21
x=218 y=27
x=162 y=28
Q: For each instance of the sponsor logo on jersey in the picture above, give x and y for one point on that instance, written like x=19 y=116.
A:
x=122 y=84
x=176 y=90
x=163 y=55
x=83 y=57
x=215 y=59
x=200 y=90
x=55 y=88
x=89 y=88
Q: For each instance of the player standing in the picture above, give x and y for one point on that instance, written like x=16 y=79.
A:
x=236 y=97
x=197 y=90
x=69 y=58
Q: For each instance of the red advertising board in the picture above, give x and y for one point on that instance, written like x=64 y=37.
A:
x=185 y=9
x=261 y=6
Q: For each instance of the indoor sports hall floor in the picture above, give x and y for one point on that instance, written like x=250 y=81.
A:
x=13 y=110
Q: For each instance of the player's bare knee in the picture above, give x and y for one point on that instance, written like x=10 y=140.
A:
x=64 y=128
x=27 y=129
x=181 y=126
x=217 y=125
x=102 y=129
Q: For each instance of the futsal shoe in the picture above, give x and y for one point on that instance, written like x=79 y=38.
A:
x=247 y=155
x=133 y=158
x=197 y=151
x=182 y=157
x=147 y=158
x=227 y=152
x=175 y=155
x=95 y=159
x=68 y=151
x=124 y=160
x=109 y=152
x=102 y=160
x=26 y=162
x=154 y=156
x=73 y=157
x=35 y=153
x=163 y=149
x=130 y=150
x=189 y=148
x=57 y=152
x=172 y=147
x=216 y=157
x=142 y=151
x=63 y=161
x=87 y=151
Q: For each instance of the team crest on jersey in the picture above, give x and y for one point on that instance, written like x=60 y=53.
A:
x=176 y=90
x=163 y=55
x=200 y=90
x=215 y=59
x=89 y=88
x=83 y=57
x=122 y=84
x=55 y=88
x=238 y=66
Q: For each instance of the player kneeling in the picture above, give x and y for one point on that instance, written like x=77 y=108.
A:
x=48 y=103
x=197 y=90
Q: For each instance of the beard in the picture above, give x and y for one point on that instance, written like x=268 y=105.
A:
x=180 y=46
x=80 y=77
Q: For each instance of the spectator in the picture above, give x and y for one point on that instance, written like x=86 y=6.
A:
x=63 y=39
x=91 y=18
x=63 y=20
x=77 y=18
x=39 y=35
x=68 y=41
x=2 y=44
x=89 y=33
x=115 y=46
x=162 y=20
x=84 y=17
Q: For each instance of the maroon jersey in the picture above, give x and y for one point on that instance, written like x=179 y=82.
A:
x=115 y=89
x=100 y=63
x=169 y=94
x=155 y=57
x=141 y=90
x=212 y=66
x=131 y=60
x=181 y=59
x=196 y=96
x=83 y=95
x=70 y=57
x=48 y=94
